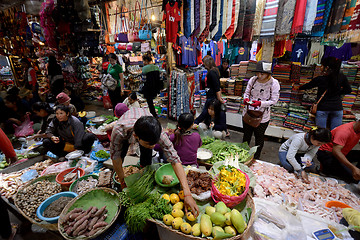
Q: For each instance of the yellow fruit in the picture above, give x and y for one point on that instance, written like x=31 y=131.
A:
x=181 y=195
x=216 y=230
x=178 y=205
x=238 y=221
x=209 y=210
x=196 y=230
x=185 y=228
x=205 y=225
x=230 y=230
x=177 y=213
x=168 y=219
x=221 y=208
x=176 y=223
x=228 y=218
x=174 y=198
x=218 y=219
x=190 y=217
x=166 y=197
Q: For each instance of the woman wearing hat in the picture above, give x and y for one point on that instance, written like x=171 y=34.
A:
x=261 y=93
x=63 y=99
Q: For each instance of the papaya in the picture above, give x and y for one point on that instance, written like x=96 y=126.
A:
x=221 y=208
x=238 y=221
x=205 y=225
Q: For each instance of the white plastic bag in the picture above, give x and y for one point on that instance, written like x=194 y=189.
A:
x=203 y=196
x=87 y=164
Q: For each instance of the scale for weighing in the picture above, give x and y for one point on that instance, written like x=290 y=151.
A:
x=324 y=234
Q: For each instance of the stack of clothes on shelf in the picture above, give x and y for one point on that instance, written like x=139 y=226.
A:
x=317 y=71
x=238 y=87
x=282 y=72
x=233 y=104
x=234 y=70
x=285 y=92
x=309 y=97
x=297 y=117
x=278 y=114
x=357 y=78
x=295 y=73
x=230 y=87
x=306 y=74
x=250 y=70
x=243 y=68
x=350 y=72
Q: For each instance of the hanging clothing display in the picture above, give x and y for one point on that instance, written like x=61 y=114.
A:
x=214 y=27
x=229 y=17
x=214 y=10
x=236 y=15
x=279 y=49
x=179 y=96
x=225 y=16
x=253 y=51
x=299 y=51
x=343 y=53
x=172 y=16
x=336 y=16
x=202 y=17
x=349 y=11
x=196 y=18
x=205 y=33
x=269 y=18
x=187 y=18
x=218 y=34
x=316 y=53
x=243 y=52
x=285 y=17
x=240 y=25
x=192 y=16
x=319 y=18
x=249 y=16
x=310 y=15
x=220 y=52
x=299 y=15
x=267 y=51
x=319 y=28
x=259 y=13
x=355 y=19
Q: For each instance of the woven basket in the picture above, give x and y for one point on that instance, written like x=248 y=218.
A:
x=43 y=224
x=71 y=203
x=244 y=235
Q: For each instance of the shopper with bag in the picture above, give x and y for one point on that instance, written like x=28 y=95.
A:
x=331 y=86
x=66 y=133
x=116 y=71
x=261 y=93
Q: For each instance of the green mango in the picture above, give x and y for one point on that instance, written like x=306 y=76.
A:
x=221 y=208
x=238 y=221
x=218 y=219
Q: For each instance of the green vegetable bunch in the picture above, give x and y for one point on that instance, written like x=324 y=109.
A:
x=110 y=118
x=125 y=199
x=140 y=190
x=222 y=149
x=207 y=140
x=3 y=164
x=102 y=154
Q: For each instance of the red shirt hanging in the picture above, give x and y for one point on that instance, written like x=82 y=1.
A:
x=172 y=16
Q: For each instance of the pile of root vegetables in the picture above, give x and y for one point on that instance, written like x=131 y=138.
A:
x=88 y=222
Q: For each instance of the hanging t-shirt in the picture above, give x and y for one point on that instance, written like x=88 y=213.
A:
x=243 y=52
x=213 y=49
x=343 y=53
x=220 y=52
x=315 y=54
x=299 y=51
x=172 y=16
x=184 y=43
x=253 y=51
x=205 y=49
x=195 y=45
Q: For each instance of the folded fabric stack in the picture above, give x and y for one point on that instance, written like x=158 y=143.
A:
x=223 y=84
x=230 y=87
x=296 y=95
x=234 y=70
x=243 y=68
x=357 y=78
x=350 y=72
x=295 y=73
x=250 y=70
x=285 y=92
x=348 y=102
x=309 y=124
x=317 y=71
x=348 y=118
x=278 y=114
x=238 y=87
x=282 y=72
x=306 y=74
x=196 y=100
x=354 y=90
x=309 y=96
x=233 y=104
x=297 y=117
x=203 y=100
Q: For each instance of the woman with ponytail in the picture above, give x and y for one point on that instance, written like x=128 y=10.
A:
x=335 y=84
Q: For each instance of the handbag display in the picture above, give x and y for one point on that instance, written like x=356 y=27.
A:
x=313 y=108
x=145 y=47
x=122 y=36
x=252 y=117
x=145 y=32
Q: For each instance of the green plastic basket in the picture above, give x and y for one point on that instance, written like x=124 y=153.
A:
x=72 y=186
x=166 y=169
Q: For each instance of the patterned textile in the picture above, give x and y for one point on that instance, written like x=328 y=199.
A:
x=225 y=16
x=285 y=16
x=214 y=10
x=319 y=18
x=259 y=13
x=336 y=16
x=355 y=19
x=269 y=18
x=197 y=17
x=192 y=15
x=240 y=25
x=203 y=16
x=218 y=34
x=232 y=6
x=205 y=33
x=249 y=16
x=299 y=15
x=217 y=23
x=320 y=29
x=310 y=15
x=187 y=18
x=349 y=11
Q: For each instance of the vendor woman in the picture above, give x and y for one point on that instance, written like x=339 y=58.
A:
x=138 y=125
x=46 y=113
x=66 y=134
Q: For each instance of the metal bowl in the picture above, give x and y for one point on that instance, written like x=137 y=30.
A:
x=204 y=154
x=74 y=154
x=98 y=120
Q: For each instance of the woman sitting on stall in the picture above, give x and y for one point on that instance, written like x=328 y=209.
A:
x=63 y=99
x=66 y=134
x=132 y=101
x=46 y=113
x=303 y=145
x=214 y=119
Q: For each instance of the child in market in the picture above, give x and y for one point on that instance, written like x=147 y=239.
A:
x=185 y=142
x=297 y=152
x=132 y=101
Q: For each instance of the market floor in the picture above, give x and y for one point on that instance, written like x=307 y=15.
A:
x=269 y=154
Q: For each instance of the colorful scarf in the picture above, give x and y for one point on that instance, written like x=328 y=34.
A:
x=249 y=16
x=298 y=21
x=285 y=16
x=336 y=16
x=350 y=8
x=320 y=24
x=355 y=19
x=269 y=18
x=240 y=26
x=260 y=5
x=310 y=15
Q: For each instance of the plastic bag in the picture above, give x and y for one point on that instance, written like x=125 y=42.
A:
x=87 y=164
x=107 y=101
x=25 y=129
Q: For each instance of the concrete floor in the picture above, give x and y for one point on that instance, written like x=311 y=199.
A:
x=269 y=154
